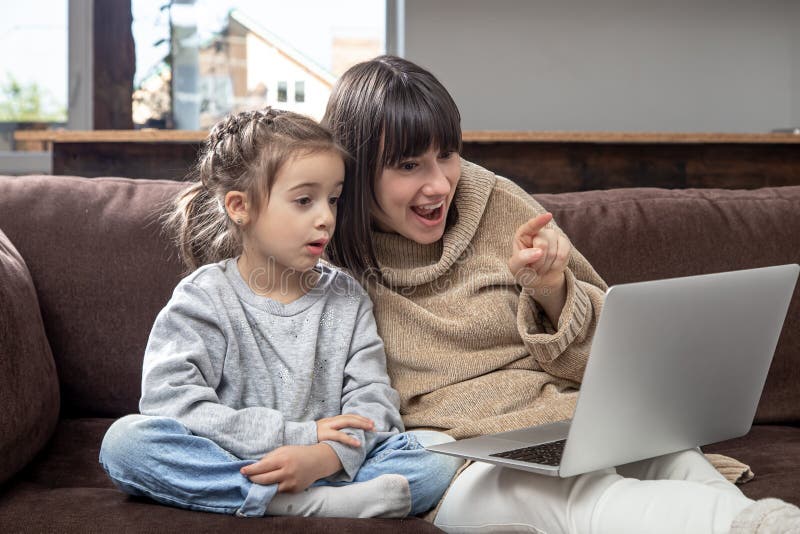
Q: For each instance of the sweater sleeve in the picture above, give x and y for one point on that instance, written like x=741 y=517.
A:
x=183 y=367
x=563 y=349
x=367 y=392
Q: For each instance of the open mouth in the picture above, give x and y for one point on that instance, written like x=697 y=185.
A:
x=316 y=247
x=430 y=212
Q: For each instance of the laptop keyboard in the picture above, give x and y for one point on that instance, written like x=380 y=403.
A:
x=546 y=453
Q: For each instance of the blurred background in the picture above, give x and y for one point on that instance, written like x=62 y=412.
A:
x=684 y=66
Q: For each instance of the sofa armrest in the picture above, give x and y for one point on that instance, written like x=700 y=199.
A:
x=29 y=393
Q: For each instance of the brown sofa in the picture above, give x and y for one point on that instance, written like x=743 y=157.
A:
x=84 y=270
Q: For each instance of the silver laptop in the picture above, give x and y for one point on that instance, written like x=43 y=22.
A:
x=674 y=364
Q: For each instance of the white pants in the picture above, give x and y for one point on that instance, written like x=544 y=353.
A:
x=675 y=493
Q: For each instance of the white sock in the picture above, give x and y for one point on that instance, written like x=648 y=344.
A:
x=384 y=496
x=767 y=516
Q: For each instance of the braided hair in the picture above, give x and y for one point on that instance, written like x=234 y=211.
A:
x=243 y=152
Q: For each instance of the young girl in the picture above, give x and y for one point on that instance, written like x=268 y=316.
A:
x=264 y=375
x=487 y=313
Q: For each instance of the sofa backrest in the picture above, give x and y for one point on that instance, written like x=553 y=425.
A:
x=102 y=270
x=97 y=256
x=637 y=234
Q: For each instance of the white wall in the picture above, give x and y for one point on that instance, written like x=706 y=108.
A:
x=624 y=65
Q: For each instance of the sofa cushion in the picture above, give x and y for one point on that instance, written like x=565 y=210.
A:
x=636 y=234
x=28 y=380
x=67 y=482
x=67 y=477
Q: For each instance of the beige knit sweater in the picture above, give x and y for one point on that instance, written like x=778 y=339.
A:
x=467 y=350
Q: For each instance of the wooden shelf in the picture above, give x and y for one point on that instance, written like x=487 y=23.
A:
x=540 y=162
x=472 y=136
x=111 y=136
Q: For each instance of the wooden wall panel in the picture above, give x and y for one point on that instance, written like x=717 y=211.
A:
x=560 y=167
x=166 y=161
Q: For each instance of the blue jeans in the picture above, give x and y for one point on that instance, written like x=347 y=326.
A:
x=158 y=457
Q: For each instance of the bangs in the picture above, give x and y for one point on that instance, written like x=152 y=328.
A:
x=414 y=121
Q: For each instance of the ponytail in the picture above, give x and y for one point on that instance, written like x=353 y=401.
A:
x=201 y=228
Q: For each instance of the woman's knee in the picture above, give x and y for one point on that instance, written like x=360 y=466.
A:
x=690 y=464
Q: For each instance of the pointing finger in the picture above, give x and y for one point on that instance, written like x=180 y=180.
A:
x=527 y=231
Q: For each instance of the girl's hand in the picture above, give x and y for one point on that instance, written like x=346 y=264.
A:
x=329 y=428
x=539 y=257
x=294 y=467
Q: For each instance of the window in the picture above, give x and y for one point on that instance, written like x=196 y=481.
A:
x=197 y=60
x=33 y=80
x=281 y=91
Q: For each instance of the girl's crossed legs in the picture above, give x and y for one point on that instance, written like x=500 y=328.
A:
x=159 y=458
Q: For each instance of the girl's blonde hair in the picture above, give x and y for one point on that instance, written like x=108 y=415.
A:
x=243 y=152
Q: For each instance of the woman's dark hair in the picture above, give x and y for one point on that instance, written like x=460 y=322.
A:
x=382 y=111
x=243 y=152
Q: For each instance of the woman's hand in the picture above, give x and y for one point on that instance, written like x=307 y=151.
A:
x=540 y=255
x=538 y=261
x=330 y=428
x=294 y=467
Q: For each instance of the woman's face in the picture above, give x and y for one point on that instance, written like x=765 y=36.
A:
x=415 y=196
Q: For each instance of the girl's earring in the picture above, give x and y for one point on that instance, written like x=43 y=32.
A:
x=239 y=221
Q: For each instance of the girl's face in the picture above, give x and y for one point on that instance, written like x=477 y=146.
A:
x=298 y=218
x=415 y=196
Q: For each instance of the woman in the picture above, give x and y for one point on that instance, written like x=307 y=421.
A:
x=487 y=313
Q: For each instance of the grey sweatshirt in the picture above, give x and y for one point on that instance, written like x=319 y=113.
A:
x=253 y=374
